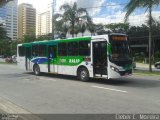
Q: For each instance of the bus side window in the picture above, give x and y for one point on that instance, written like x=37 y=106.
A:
x=55 y=52
x=21 y=51
x=42 y=50
x=28 y=52
x=35 y=50
x=73 y=49
x=52 y=52
x=84 y=48
x=62 y=49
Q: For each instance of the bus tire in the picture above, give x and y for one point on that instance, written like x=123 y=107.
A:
x=36 y=70
x=83 y=74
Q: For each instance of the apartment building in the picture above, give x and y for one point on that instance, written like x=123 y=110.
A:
x=8 y=18
x=44 y=23
x=26 y=20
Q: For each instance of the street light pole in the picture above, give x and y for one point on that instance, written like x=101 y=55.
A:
x=150 y=38
x=53 y=20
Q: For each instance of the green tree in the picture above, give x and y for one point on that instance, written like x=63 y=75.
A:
x=118 y=27
x=138 y=35
x=60 y=24
x=13 y=47
x=44 y=37
x=84 y=24
x=76 y=30
x=72 y=15
x=28 y=38
x=149 y=5
x=82 y=28
x=5 y=42
x=91 y=27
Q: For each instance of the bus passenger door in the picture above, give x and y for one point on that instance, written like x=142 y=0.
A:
x=52 y=58
x=99 y=58
x=27 y=58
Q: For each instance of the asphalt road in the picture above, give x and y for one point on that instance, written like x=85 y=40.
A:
x=52 y=94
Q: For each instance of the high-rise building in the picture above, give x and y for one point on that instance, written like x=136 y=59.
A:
x=8 y=17
x=44 y=20
x=44 y=26
x=26 y=20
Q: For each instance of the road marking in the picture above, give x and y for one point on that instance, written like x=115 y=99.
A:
x=110 y=89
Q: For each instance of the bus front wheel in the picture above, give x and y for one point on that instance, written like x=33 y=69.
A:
x=36 y=70
x=83 y=74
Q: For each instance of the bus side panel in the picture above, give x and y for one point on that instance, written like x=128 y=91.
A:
x=89 y=67
x=21 y=62
x=67 y=70
x=43 y=67
x=72 y=70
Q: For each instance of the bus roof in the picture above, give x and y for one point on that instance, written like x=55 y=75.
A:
x=55 y=41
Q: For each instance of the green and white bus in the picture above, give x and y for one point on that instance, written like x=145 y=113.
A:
x=104 y=56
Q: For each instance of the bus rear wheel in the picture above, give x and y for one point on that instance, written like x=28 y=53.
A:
x=36 y=70
x=83 y=74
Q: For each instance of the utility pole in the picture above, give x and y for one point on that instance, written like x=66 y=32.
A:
x=150 y=37
x=53 y=5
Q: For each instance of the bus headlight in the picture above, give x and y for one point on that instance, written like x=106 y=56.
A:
x=121 y=69
x=114 y=68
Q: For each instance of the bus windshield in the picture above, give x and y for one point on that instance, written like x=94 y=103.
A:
x=120 y=50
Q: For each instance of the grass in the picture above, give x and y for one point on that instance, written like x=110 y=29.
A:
x=145 y=72
x=2 y=62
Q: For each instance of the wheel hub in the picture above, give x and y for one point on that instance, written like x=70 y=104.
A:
x=83 y=74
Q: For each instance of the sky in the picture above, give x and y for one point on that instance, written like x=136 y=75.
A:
x=101 y=11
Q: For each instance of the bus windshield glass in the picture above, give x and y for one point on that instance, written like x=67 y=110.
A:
x=120 y=49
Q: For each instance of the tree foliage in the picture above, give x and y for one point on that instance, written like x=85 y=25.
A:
x=82 y=28
x=91 y=27
x=118 y=27
x=134 y=4
x=72 y=19
x=149 y=5
x=5 y=42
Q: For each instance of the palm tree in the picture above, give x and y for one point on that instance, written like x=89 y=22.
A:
x=60 y=24
x=149 y=5
x=91 y=27
x=73 y=14
x=76 y=30
x=82 y=28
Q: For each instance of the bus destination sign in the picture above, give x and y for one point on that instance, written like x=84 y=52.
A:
x=119 y=38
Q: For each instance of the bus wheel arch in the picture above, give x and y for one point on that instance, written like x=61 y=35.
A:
x=83 y=73
x=36 y=69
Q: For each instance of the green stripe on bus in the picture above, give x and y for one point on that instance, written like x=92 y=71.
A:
x=55 y=42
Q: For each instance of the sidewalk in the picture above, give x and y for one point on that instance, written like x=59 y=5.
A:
x=142 y=66
x=2 y=60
